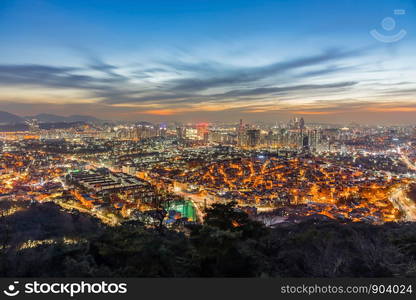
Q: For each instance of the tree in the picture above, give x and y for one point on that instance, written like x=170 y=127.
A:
x=229 y=217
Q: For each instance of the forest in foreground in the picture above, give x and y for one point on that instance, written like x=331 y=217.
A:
x=44 y=241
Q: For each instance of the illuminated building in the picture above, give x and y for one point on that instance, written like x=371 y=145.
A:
x=253 y=137
x=191 y=134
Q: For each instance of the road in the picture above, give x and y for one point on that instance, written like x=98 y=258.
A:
x=408 y=163
x=102 y=217
x=407 y=206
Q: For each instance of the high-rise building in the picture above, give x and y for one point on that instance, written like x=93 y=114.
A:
x=240 y=134
x=180 y=132
x=191 y=134
x=206 y=137
x=314 y=139
x=302 y=124
x=201 y=128
x=253 y=137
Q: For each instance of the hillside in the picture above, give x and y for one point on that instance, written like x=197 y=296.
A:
x=77 y=245
x=51 y=118
x=8 y=118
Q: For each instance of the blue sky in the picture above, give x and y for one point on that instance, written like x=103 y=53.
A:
x=208 y=60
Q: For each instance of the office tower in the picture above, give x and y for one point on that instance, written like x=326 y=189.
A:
x=301 y=124
x=180 y=132
x=253 y=137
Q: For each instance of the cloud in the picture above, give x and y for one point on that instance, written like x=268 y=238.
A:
x=322 y=71
x=213 y=84
x=254 y=94
x=274 y=90
x=400 y=92
x=53 y=77
x=234 y=76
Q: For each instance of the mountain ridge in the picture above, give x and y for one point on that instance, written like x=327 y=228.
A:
x=9 y=118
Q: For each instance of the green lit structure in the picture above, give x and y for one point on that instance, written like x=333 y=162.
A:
x=185 y=208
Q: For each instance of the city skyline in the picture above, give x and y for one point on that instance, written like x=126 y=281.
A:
x=209 y=61
x=207 y=139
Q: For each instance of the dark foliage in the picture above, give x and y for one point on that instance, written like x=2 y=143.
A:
x=228 y=244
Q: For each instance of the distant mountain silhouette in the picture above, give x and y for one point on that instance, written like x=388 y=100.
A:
x=51 y=118
x=144 y=123
x=47 y=118
x=8 y=118
x=82 y=118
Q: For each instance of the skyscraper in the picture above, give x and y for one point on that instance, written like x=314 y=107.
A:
x=253 y=137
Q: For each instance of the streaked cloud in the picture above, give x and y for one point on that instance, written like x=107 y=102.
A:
x=256 y=59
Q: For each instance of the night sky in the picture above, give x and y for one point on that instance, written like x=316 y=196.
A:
x=210 y=60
